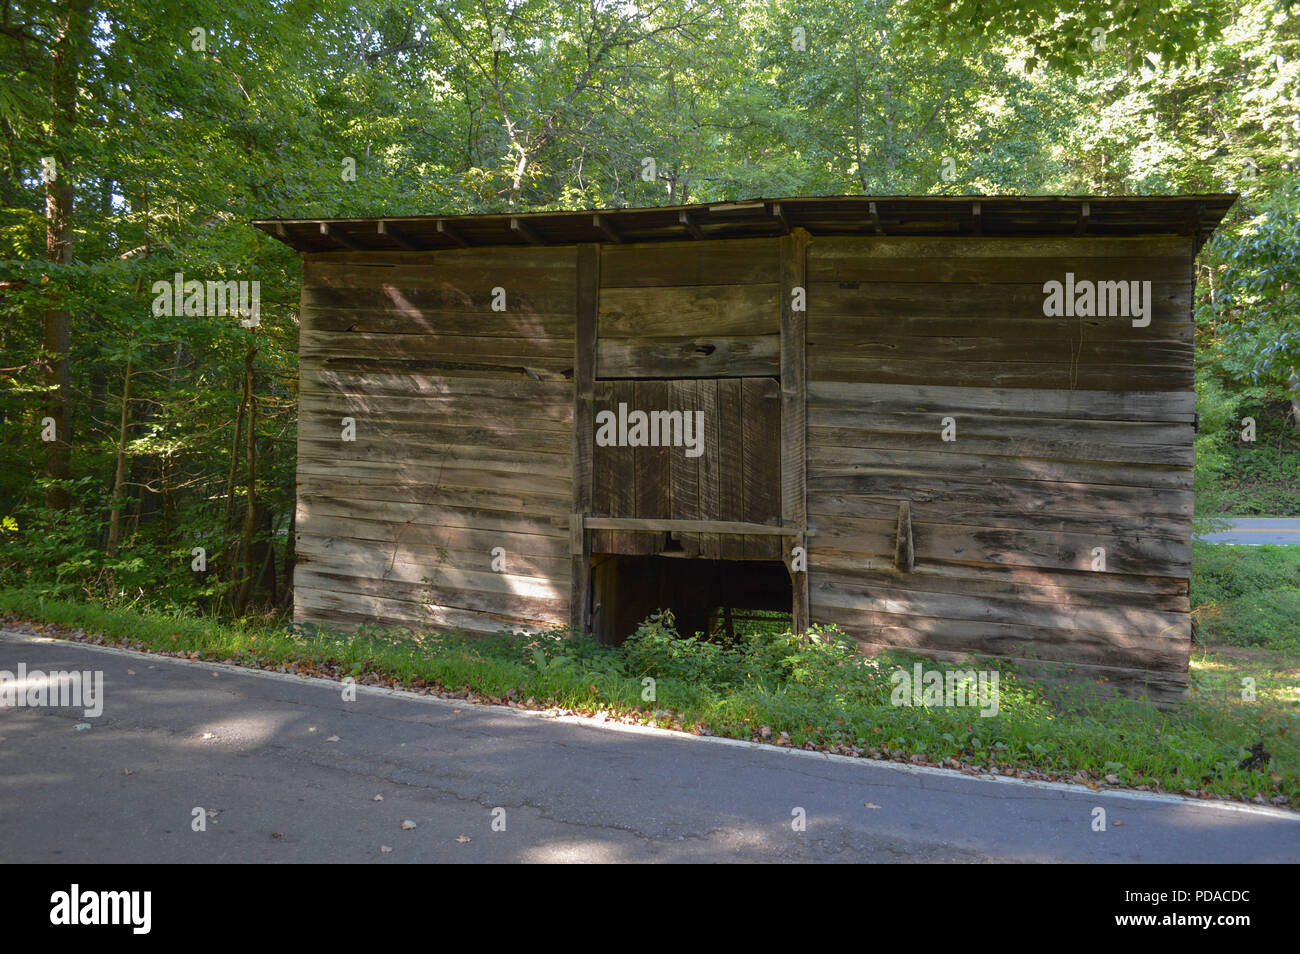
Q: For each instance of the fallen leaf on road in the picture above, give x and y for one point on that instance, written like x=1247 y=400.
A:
x=127 y=772
x=333 y=738
x=870 y=805
x=386 y=849
x=408 y=825
x=130 y=672
x=464 y=839
x=1117 y=824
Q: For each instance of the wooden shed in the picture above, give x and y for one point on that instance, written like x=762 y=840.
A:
x=951 y=425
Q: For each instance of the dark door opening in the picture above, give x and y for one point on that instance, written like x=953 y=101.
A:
x=627 y=589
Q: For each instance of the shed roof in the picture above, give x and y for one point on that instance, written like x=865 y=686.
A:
x=1194 y=215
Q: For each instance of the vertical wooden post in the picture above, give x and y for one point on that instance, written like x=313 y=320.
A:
x=584 y=380
x=794 y=325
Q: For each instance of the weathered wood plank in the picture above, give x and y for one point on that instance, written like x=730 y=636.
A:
x=1119 y=404
x=986 y=509
x=702 y=356
x=686 y=310
x=549 y=352
x=322 y=456
x=347 y=610
x=709 y=465
x=985 y=348
x=1022 y=448
x=1058 y=588
x=373 y=435
x=761 y=456
x=829 y=251
x=829 y=301
x=683 y=471
x=826 y=460
x=505 y=604
x=689 y=525
x=1128 y=552
x=711 y=262
x=731 y=472
x=973 y=269
x=383 y=536
x=826 y=365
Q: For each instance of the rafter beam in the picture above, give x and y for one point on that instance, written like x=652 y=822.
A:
x=446 y=230
x=523 y=229
x=341 y=237
x=607 y=228
x=389 y=230
x=688 y=222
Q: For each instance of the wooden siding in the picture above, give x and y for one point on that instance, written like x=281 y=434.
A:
x=475 y=429
x=1071 y=434
x=464 y=438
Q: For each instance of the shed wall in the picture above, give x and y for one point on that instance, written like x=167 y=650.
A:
x=1071 y=434
x=464 y=438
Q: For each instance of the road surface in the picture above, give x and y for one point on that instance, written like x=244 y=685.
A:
x=284 y=770
x=1280 y=530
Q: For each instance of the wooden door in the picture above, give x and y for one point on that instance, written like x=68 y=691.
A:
x=725 y=466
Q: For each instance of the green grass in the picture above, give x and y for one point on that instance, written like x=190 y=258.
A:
x=819 y=693
x=1247 y=596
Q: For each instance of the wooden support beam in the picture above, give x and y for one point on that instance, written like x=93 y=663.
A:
x=607 y=228
x=525 y=231
x=674 y=525
x=342 y=238
x=688 y=222
x=1081 y=226
x=444 y=229
x=584 y=433
x=794 y=426
x=875 y=218
x=904 y=548
x=389 y=230
x=976 y=222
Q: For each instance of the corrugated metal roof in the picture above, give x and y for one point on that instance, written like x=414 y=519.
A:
x=1196 y=215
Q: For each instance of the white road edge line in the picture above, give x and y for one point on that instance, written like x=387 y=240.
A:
x=949 y=774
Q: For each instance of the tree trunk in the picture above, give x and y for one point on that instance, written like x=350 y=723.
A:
x=119 y=478
x=250 y=513
x=71 y=25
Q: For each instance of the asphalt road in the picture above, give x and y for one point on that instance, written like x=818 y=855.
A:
x=1279 y=530
x=291 y=772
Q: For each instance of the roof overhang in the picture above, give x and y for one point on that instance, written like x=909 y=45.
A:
x=1191 y=215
